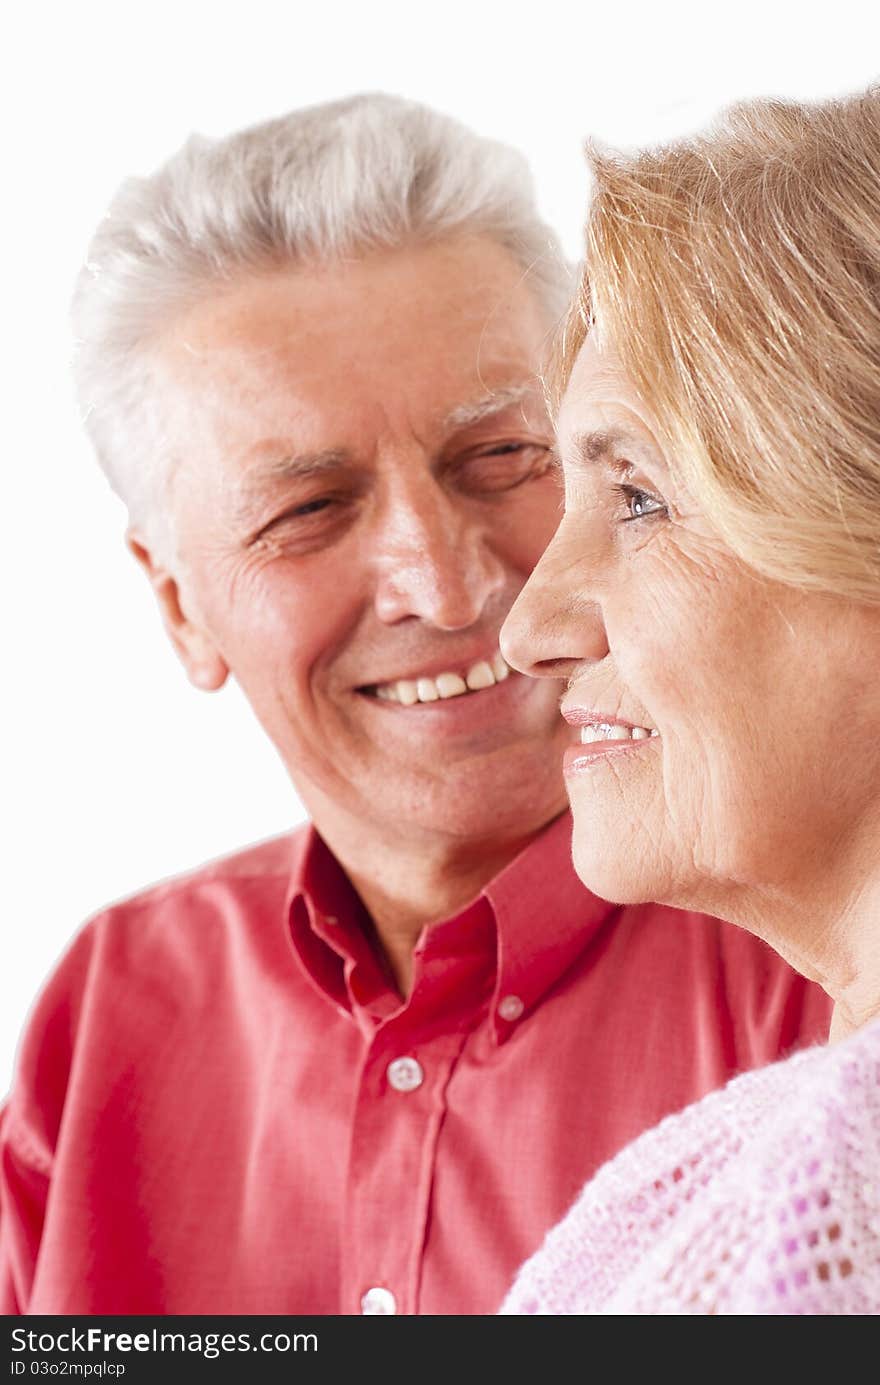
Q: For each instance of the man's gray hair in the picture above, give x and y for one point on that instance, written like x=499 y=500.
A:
x=370 y=172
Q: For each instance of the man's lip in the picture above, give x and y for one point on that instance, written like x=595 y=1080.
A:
x=432 y=667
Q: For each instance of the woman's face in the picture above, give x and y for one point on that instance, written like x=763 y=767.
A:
x=725 y=728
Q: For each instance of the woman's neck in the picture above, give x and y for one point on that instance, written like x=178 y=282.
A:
x=825 y=924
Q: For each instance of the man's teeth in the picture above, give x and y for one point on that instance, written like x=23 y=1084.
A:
x=483 y=674
x=611 y=731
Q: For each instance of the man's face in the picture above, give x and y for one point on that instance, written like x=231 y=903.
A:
x=362 y=486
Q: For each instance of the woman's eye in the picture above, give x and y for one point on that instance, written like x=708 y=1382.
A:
x=639 y=504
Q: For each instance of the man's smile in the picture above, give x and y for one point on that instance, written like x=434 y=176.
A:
x=428 y=686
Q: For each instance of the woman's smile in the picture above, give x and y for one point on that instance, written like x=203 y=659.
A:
x=601 y=735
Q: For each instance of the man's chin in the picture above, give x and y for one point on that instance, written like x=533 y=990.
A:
x=505 y=793
x=488 y=815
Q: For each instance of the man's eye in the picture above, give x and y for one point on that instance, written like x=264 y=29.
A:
x=304 y=522
x=305 y=511
x=311 y=507
x=639 y=504
x=504 y=466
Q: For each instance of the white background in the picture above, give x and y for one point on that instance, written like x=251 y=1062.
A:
x=115 y=771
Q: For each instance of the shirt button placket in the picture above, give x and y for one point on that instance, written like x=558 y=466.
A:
x=404 y=1075
x=385 y=1167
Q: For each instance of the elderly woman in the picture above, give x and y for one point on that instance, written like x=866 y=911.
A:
x=712 y=600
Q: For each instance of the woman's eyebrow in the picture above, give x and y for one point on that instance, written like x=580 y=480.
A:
x=600 y=444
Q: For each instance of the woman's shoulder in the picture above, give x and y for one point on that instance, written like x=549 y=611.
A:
x=763 y=1197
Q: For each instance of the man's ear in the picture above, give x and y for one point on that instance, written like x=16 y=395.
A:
x=205 y=666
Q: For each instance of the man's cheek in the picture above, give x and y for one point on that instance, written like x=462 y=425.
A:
x=526 y=524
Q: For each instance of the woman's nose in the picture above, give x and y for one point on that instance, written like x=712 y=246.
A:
x=556 y=622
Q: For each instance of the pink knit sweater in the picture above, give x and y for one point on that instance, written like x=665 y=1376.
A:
x=763 y=1198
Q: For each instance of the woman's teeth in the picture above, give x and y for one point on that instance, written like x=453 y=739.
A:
x=483 y=674
x=611 y=731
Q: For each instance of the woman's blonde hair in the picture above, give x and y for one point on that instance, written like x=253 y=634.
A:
x=737 y=274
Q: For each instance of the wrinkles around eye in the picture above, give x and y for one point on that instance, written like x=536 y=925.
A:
x=305 y=522
x=503 y=467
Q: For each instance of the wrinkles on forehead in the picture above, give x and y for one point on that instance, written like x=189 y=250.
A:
x=603 y=419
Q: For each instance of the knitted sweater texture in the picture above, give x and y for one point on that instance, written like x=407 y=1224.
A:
x=763 y=1198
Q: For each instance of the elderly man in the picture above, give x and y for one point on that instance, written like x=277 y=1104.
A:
x=364 y=1068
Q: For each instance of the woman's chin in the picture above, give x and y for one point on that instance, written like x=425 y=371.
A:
x=609 y=875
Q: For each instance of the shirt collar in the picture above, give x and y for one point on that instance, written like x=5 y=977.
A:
x=328 y=925
x=543 y=917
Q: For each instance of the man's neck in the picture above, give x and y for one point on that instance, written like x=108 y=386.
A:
x=405 y=885
x=401 y=901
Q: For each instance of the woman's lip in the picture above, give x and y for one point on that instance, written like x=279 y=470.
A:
x=586 y=716
x=579 y=757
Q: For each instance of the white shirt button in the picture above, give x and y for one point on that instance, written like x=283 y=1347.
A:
x=405 y=1074
x=378 y=1301
x=510 y=1008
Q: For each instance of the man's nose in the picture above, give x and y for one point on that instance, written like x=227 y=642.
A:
x=435 y=560
x=556 y=623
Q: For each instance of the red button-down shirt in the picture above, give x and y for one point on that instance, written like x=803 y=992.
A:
x=222 y=1105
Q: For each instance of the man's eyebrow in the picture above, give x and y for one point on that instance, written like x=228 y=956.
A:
x=291 y=466
x=492 y=402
